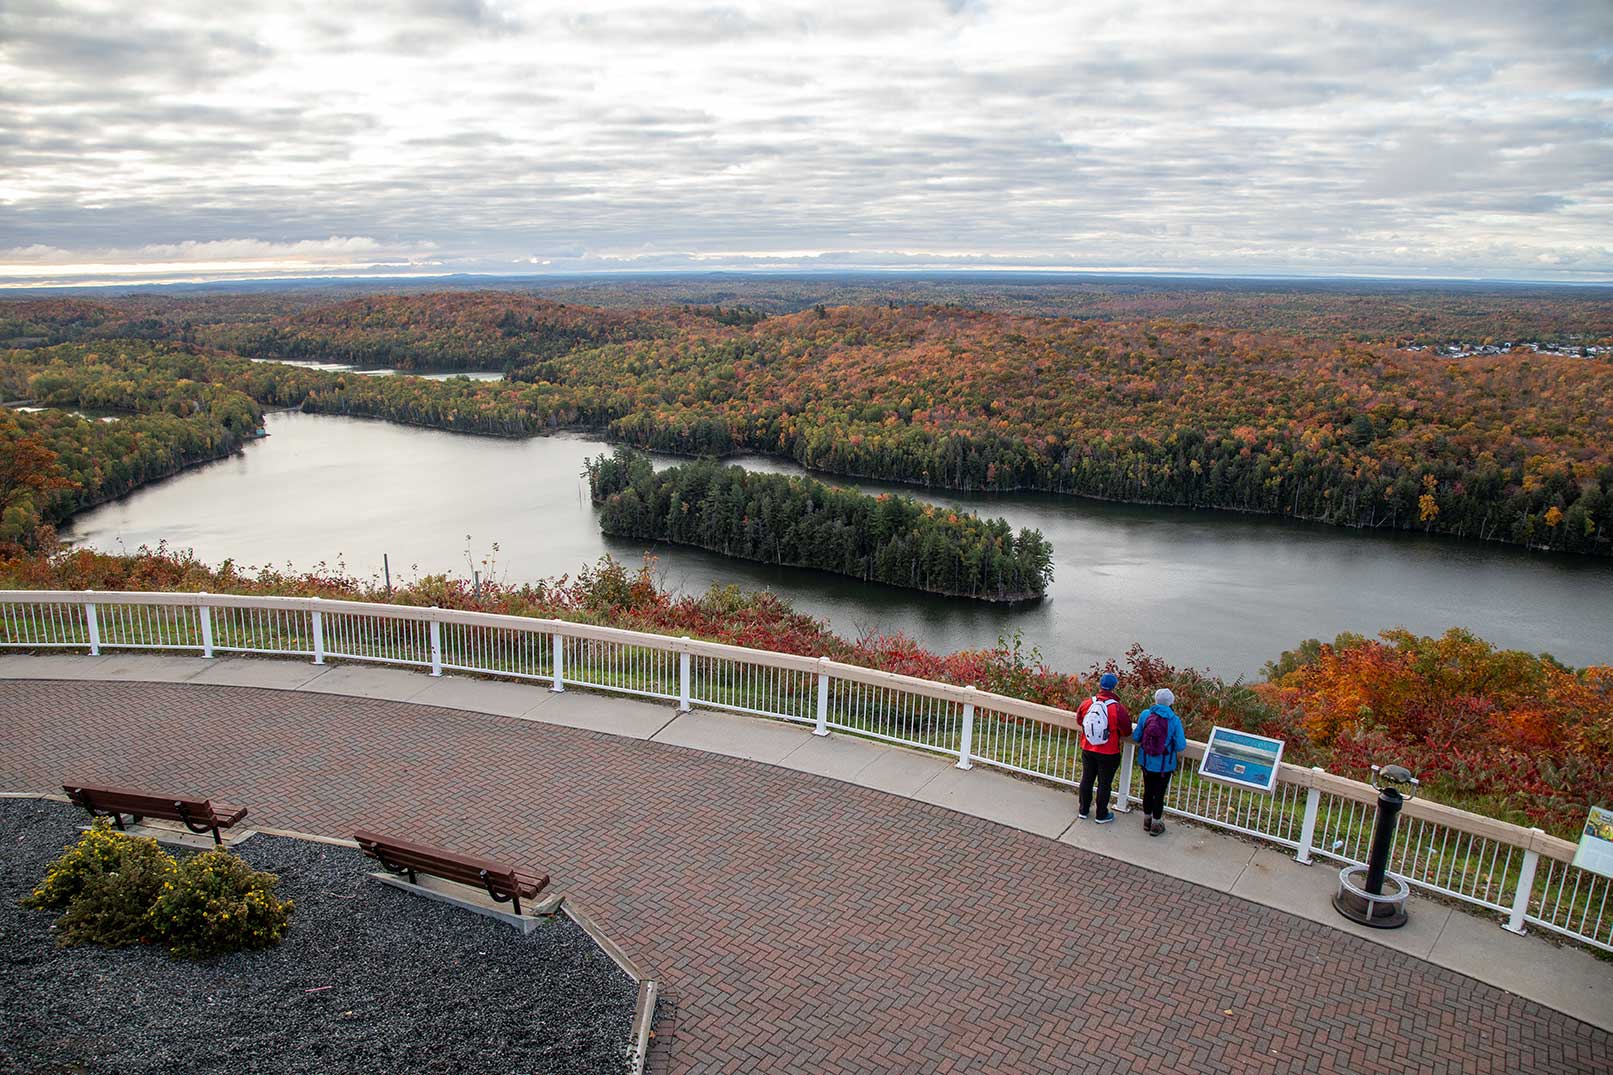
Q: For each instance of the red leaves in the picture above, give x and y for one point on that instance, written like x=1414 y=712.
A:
x=1506 y=733
x=1526 y=734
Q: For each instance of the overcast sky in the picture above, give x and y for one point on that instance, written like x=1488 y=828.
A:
x=168 y=140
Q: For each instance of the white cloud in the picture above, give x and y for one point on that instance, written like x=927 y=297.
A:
x=220 y=258
x=1222 y=135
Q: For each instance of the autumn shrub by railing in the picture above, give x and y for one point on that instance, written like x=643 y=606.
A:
x=1483 y=861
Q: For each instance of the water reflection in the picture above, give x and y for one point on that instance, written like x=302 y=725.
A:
x=1218 y=590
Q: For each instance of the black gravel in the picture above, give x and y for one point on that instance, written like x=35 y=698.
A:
x=367 y=979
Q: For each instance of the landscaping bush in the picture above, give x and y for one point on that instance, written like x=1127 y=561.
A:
x=216 y=904
x=99 y=851
x=114 y=908
x=118 y=890
x=105 y=884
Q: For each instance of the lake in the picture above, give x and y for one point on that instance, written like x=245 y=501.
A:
x=382 y=371
x=1209 y=589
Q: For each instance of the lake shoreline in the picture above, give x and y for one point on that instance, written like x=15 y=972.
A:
x=1207 y=589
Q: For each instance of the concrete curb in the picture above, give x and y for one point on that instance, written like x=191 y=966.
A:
x=648 y=988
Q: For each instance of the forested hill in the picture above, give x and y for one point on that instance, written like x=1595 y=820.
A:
x=799 y=522
x=360 y=316
x=1511 y=447
x=57 y=462
x=458 y=330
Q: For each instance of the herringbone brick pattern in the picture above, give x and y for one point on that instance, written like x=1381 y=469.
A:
x=807 y=925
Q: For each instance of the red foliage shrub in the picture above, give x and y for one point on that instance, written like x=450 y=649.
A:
x=1508 y=733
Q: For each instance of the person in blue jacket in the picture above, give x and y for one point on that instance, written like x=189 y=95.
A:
x=1161 y=735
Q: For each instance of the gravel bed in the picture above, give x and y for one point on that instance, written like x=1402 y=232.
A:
x=367 y=979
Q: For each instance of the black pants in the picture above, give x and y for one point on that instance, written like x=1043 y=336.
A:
x=1102 y=768
x=1154 y=787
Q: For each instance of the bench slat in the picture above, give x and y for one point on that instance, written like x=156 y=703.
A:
x=116 y=800
x=503 y=879
x=449 y=870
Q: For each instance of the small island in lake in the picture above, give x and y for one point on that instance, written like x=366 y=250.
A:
x=800 y=522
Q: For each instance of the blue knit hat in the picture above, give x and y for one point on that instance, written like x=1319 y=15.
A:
x=1108 y=682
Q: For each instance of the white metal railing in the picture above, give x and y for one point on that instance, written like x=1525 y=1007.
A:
x=1521 y=873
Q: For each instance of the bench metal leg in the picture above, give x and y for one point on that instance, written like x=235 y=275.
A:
x=513 y=898
x=117 y=819
x=207 y=825
x=401 y=871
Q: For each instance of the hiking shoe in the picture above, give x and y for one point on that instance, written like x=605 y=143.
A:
x=1157 y=829
x=1106 y=820
x=1148 y=823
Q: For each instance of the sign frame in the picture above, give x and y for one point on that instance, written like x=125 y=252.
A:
x=1226 y=760
x=1595 y=851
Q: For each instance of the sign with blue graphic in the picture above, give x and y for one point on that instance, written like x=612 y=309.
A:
x=1595 y=852
x=1249 y=761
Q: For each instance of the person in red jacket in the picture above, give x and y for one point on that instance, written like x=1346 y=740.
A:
x=1104 y=723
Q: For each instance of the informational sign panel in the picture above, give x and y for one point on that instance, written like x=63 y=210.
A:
x=1596 y=843
x=1249 y=761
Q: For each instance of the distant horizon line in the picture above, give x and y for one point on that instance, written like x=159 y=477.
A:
x=983 y=272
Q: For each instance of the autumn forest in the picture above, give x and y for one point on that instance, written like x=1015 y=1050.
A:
x=1483 y=415
x=1507 y=447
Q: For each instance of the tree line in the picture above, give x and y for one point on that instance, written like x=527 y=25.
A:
x=1503 y=448
x=55 y=463
x=801 y=522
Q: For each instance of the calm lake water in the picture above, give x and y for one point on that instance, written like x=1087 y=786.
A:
x=430 y=375
x=1217 y=591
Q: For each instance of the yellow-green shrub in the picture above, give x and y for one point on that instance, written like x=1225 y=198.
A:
x=98 y=852
x=114 y=908
x=115 y=889
x=217 y=903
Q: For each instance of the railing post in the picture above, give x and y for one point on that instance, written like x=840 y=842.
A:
x=967 y=740
x=1128 y=759
x=559 y=684
x=1307 y=827
x=92 y=624
x=436 y=644
x=823 y=697
x=319 y=635
x=683 y=678
x=204 y=615
x=1526 y=888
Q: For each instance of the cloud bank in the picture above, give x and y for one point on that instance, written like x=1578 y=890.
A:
x=1233 y=136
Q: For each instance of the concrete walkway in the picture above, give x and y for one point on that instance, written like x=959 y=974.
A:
x=1565 y=979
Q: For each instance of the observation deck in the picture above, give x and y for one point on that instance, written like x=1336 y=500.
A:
x=834 y=903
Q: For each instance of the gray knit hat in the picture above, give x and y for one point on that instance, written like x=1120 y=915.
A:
x=1163 y=696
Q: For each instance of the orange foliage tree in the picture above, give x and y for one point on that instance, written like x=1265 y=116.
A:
x=1528 y=737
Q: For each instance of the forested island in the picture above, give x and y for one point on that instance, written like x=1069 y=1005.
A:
x=800 y=522
x=1511 y=447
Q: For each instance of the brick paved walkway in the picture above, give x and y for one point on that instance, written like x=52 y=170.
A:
x=807 y=925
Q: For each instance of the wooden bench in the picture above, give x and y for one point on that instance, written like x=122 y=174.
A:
x=198 y=815
x=506 y=884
